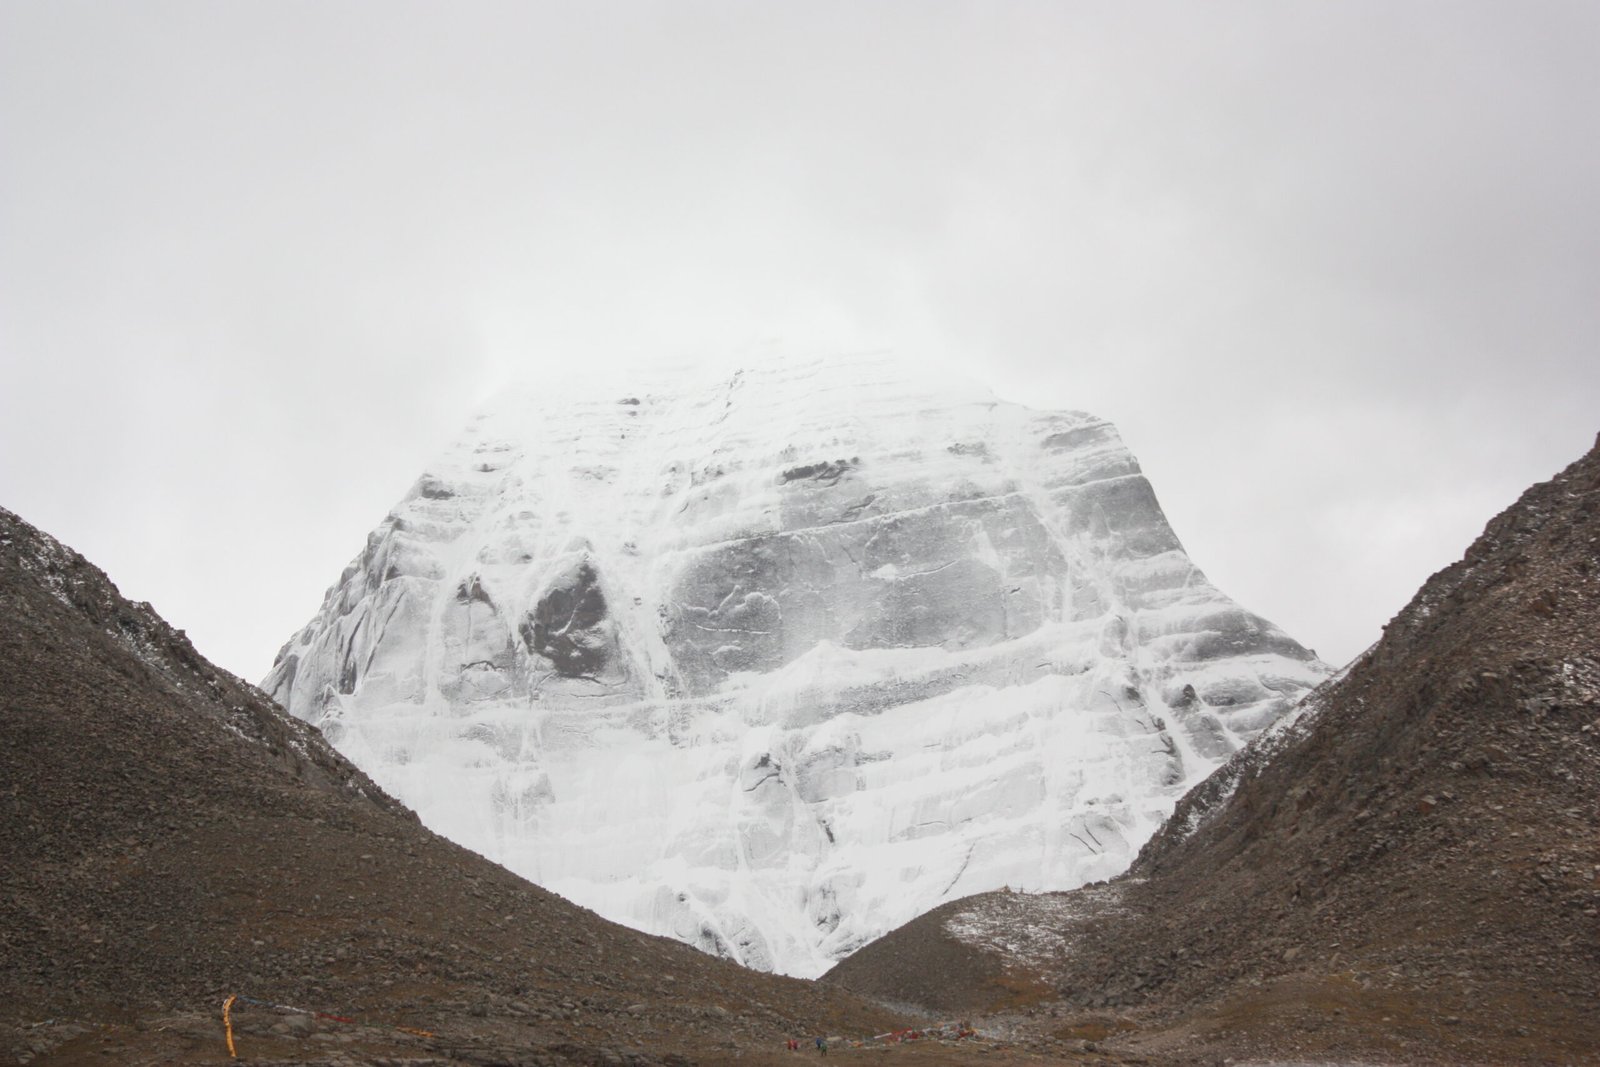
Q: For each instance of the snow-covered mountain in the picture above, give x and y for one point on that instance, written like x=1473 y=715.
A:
x=776 y=660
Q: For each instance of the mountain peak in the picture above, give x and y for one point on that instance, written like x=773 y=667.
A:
x=773 y=658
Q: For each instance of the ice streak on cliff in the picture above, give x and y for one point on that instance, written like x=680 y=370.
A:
x=775 y=660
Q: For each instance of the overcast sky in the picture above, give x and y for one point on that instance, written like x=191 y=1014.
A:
x=1331 y=268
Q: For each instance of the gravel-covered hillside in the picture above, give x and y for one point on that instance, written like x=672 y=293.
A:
x=170 y=837
x=1409 y=869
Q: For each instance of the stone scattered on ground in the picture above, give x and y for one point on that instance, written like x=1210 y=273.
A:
x=1411 y=872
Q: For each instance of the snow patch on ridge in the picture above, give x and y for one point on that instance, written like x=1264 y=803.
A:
x=1028 y=930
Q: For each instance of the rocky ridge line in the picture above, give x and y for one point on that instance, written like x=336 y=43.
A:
x=171 y=837
x=1409 y=870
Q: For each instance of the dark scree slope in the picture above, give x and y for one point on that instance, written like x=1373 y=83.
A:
x=170 y=836
x=1411 y=869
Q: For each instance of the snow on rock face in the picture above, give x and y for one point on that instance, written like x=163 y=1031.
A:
x=775 y=662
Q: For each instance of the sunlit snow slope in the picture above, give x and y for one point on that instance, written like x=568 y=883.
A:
x=776 y=661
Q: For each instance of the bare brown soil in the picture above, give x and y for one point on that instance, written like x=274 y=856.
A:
x=1413 y=878
x=169 y=837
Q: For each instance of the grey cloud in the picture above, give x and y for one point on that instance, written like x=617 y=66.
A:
x=1329 y=266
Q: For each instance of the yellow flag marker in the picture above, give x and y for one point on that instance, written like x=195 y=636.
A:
x=227 y=1024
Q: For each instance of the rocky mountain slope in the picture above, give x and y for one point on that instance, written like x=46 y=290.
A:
x=1408 y=870
x=773 y=662
x=170 y=837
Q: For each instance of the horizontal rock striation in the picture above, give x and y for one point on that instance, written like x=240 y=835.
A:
x=774 y=661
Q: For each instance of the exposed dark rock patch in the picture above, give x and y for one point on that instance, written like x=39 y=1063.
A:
x=170 y=837
x=563 y=625
x=471 y=591
x=433 y=489
x=1238 y=632
x=826 y=472
x=1411 y=873
x=1067 y=440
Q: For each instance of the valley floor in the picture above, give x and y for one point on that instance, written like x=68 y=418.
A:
x=1289 y=1023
